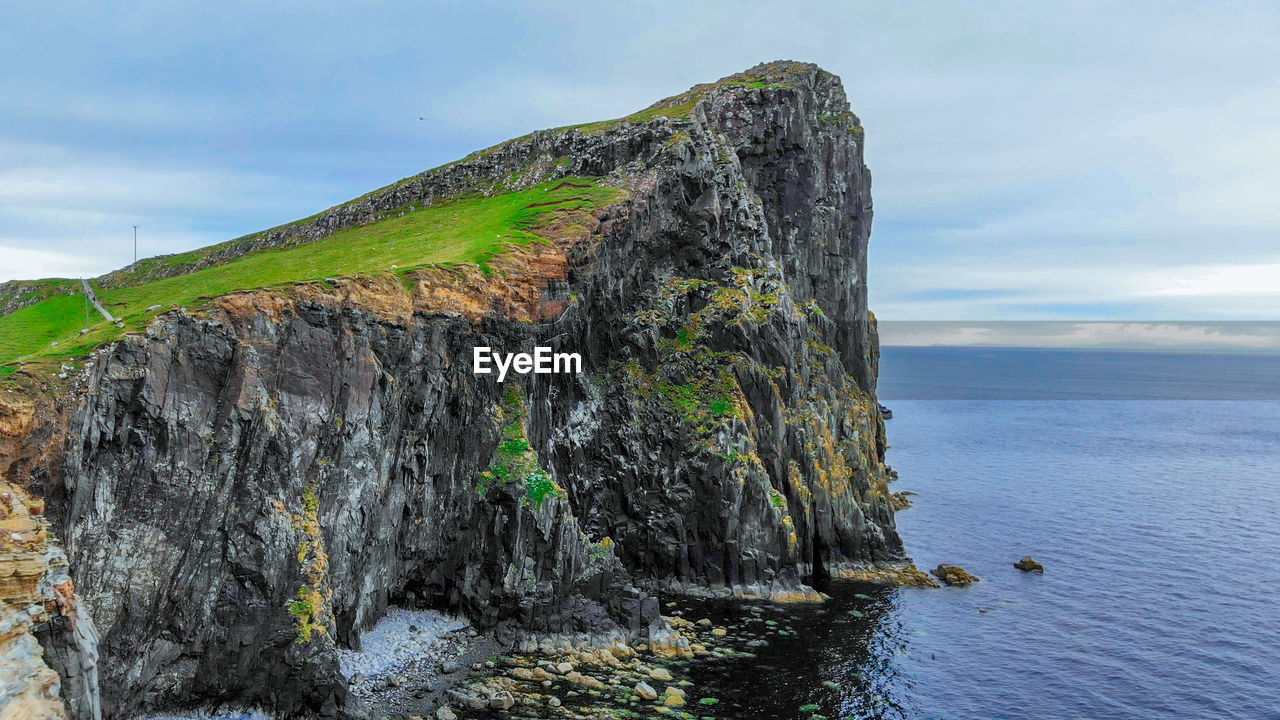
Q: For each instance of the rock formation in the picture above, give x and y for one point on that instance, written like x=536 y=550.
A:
x=1029 y=564
x=955 y=575
x=243 y=490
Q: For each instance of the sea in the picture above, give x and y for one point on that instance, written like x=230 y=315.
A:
x=1147 y=483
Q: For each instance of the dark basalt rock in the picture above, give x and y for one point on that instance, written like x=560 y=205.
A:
x=1027 y=564
x=245 y=491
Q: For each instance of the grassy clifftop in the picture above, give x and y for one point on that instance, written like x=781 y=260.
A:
x=462 y=212
x=470 y=229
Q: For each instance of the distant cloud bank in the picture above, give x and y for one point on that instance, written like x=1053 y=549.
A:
x=1205 y=336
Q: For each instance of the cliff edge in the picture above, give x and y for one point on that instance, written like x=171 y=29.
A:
x=245 y=479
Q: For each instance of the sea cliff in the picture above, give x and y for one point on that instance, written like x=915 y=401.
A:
x=243 y=488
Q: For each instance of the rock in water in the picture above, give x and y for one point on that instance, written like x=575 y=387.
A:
x=304 y=453
x=1027 y=564
x=954 y=575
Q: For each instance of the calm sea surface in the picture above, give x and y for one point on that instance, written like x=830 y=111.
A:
x=1149 y=486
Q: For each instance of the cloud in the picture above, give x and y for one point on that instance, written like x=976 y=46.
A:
x=21 y=263
x=64 y=213
x=1236 y=336
x=1214 y=280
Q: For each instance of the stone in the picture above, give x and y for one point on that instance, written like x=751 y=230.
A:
x=954 y=575
x=646 y=691
x=445 y=713
x=502 y=700
x=660 y=674
x=1027 y=564
x=719 y=632
x=586 y=680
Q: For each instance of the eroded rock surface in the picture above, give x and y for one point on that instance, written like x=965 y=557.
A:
x=244 y=491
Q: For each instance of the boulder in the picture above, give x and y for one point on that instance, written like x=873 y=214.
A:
x=1027 y=564
x=954 y=575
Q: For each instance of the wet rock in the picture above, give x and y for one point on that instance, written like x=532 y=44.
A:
x=1027 y=564
x=467 y=700
x=646 y=691
x=954 y=575
x=673 y=697
x=501 y=701
x=585 y=680
x=903 y=574
x=901 y=500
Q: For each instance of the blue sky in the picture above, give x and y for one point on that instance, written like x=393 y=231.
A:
x=1031 y=161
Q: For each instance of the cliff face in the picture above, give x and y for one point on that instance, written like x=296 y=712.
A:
x=246 y=489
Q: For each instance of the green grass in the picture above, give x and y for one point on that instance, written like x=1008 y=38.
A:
x=466 y=230
x=55 y=319
x=676 y=108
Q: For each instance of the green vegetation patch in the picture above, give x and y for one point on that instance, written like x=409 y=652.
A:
x=310 y=605
x=777 y=499
x=515 y=460
x=470 y=229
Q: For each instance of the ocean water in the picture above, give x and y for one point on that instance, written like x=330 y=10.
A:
x=1149 y=486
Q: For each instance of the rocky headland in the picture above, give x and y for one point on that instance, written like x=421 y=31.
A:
x=232 y=495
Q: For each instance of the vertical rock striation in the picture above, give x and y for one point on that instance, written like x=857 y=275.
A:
x=244 y=490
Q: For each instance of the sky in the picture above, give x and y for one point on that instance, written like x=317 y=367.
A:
x=1031 y=161
x=1232 y=335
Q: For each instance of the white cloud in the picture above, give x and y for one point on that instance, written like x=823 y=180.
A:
x=19 y=263
x=70 y=213
x=1260 y=280
x=1262 y=337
